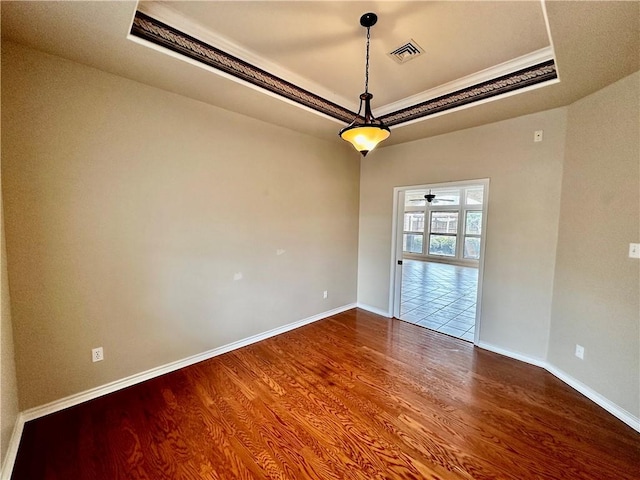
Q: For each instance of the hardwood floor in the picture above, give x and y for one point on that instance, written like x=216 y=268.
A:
x=354 y=396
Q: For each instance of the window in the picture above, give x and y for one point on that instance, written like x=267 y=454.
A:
x=446 y=196
x=413 y=232
x=412 y=243
x=443 y=233
x=414 y=221
x=472 y=233
x=450 y=226
x=474 y=195
x=415 y=199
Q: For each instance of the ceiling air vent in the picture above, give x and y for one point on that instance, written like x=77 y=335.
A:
x=406 y=52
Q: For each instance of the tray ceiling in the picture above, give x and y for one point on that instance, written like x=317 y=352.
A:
x=318 y=47
x=505 y=48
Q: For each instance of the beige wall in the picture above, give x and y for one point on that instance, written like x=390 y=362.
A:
x=8 y=382
x=597 y=287
x=522 y=218
x=130 y=209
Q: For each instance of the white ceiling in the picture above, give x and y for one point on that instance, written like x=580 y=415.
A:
x=320 y=46
x=324 y=42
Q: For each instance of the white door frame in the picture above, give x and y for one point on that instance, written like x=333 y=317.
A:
x=397 y=228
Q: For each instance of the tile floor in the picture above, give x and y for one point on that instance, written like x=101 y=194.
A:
x=440 y=297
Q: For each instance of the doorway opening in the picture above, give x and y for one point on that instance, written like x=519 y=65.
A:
x=440 y=297
x=438 y=256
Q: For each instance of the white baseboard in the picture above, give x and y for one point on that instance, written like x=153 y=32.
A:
x=375 y=310
x=37 y=412
x=12 y=449
x=76 y=399
x=538 y=362
x=608 y=405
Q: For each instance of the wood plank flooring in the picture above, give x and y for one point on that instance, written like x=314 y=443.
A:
x=354 y=396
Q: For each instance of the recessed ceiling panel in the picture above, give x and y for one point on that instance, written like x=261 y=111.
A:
x=324 y=42
x=259 y=43
x=320 y=47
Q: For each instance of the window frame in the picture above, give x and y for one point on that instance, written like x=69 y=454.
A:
x=462 y=208
x=414 y=209
x=466 y=235
x=446 y=234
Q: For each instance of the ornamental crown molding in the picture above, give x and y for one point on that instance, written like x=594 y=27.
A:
x=534 y=70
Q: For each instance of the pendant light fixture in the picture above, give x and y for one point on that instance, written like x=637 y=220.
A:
x=364 y=136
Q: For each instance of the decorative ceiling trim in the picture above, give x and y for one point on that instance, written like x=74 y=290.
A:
x=156 y=32
x=170 y=14
x=514 y=65
x=526 y=77
x=161 y=34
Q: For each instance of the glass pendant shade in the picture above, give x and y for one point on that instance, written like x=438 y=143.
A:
x=365 y=137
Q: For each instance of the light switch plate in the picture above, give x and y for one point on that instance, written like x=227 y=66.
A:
x=634 y=250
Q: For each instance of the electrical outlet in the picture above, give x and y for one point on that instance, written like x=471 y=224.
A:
x=97 y=355
x=580 y=352
x=325 y=294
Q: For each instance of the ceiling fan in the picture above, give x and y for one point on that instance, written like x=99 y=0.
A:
x=429 y=197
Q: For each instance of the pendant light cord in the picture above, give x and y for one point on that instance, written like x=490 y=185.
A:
x=366 y=71
x=365 y=132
